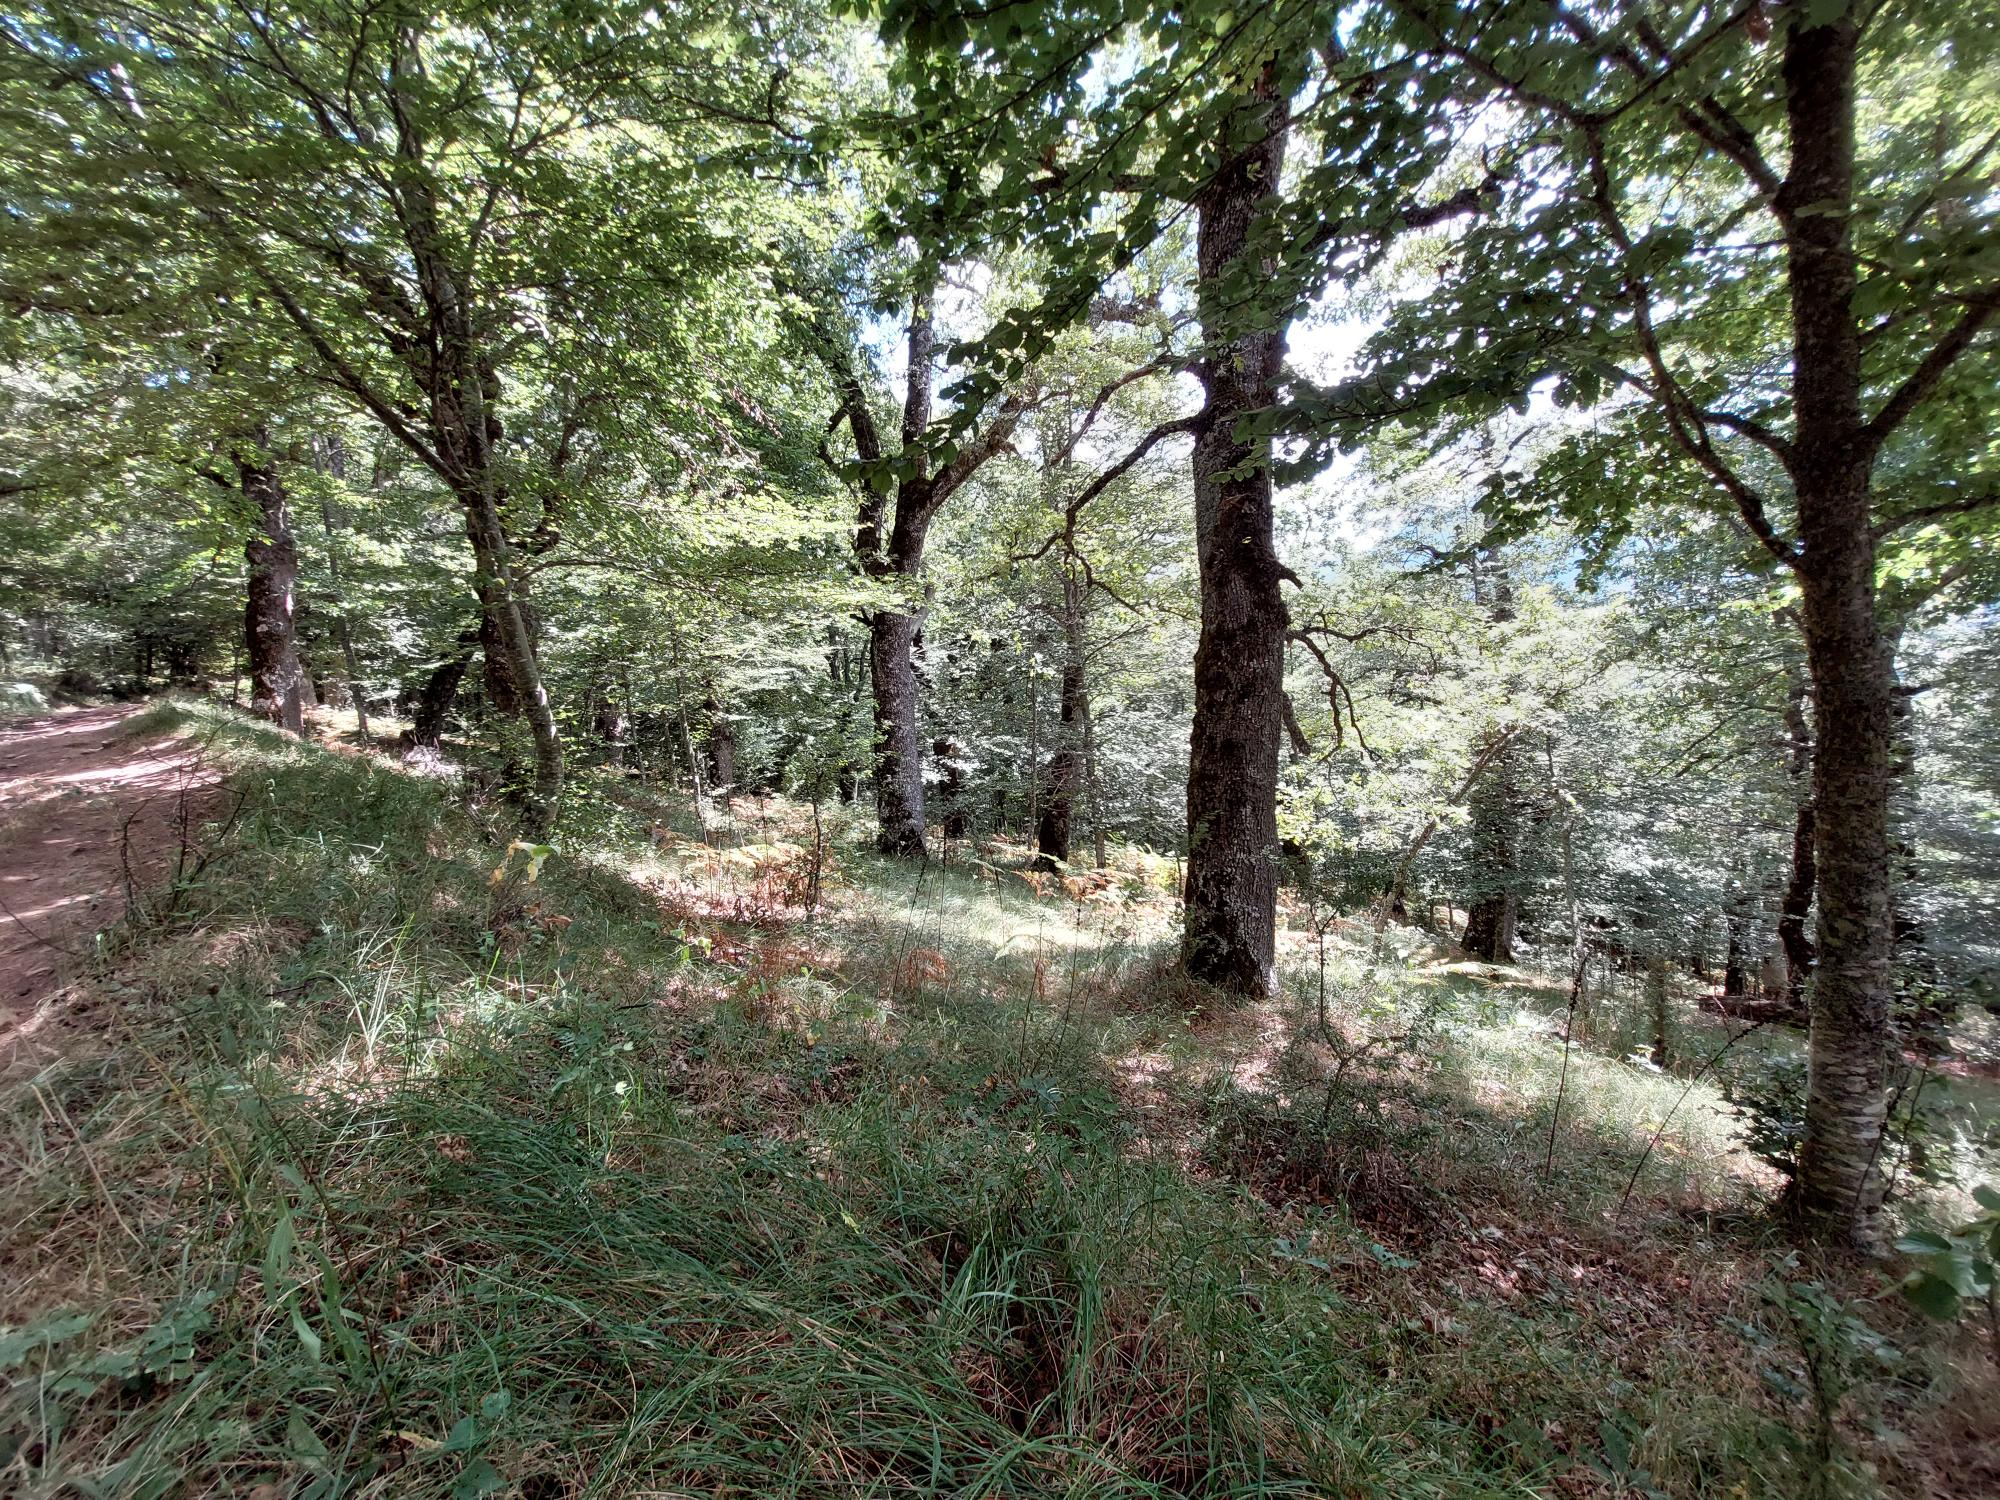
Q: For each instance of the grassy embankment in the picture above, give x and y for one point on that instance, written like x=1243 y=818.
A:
x=363 y=1172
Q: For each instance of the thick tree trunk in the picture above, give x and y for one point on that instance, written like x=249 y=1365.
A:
x=1840 y=1181
x=1231 y=893
x=899 y=750
x=276 y=679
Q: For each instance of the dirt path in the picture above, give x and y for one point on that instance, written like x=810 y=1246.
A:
x=70 y=788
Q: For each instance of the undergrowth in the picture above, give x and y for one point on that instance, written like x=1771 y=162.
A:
x=367 y=1166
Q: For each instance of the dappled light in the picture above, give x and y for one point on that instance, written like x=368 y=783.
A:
x=852 y=749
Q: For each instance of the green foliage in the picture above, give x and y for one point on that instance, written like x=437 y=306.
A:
x=1956 y=1267
x=1819 y=1355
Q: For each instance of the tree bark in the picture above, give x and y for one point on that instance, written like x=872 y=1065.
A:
x=955 y=821
x=1493 y=906
x=721 y=748
x=893 y=629
x=439 y=692
x=1839 y=1187
x=1231 y=892
x=461 y=385
x=1656 y=1002
x=276 y=678
x=1735 y=965
x=1065 y=774
x=1493 y=911
x=334 y=459
x=1796 y=903
x=899 y=750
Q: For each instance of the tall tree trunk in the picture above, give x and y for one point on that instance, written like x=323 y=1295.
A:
x=1656 y=1002
x=721 y=747
x=1231 y=892
x=462 y=385
x=513 y=673
x=1735 y=965
x=955 y=820
x=276 y=679
x=892 y=633
x=1066 y=764
x=899 y=749
x=920 y=490
x=334 y=458
x=1493 y=906
x=609 y=724
x=1840 y=1182
x=1493 y=911
x=1094 y=789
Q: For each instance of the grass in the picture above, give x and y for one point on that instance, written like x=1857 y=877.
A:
x=363 y=1172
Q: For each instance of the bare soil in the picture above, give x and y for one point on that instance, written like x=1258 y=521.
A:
x=88 y=817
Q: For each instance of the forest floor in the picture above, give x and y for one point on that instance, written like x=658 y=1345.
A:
x=400 y=1159
x=87 y=812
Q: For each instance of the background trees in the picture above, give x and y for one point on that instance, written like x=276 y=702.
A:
x=1345 y=446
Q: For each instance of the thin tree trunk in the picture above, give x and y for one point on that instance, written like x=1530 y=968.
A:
x=954 y=820
x=919 y=492
x=1094 y=787
x=1231 y=892
x=439 y=692
x=1492 y=907
x=1066 y=763
x=336 y=468
x=1395 y=895
x=269 y=637
x=721 y=748
x=1735 y=966
x=1656 y=999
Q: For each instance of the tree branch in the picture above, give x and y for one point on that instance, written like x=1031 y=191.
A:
x=1931 y=369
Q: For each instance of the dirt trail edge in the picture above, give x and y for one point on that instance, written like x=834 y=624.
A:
x=78 y=801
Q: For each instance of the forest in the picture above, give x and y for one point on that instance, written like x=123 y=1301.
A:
x=1000 y=748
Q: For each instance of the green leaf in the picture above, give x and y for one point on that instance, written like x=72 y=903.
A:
x=1932 y=1296
x=18 y=1343
x=300 y=1439
x=278 y=1255
x=1924 y=1242
x=307 y=1337
x=479 y=1478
